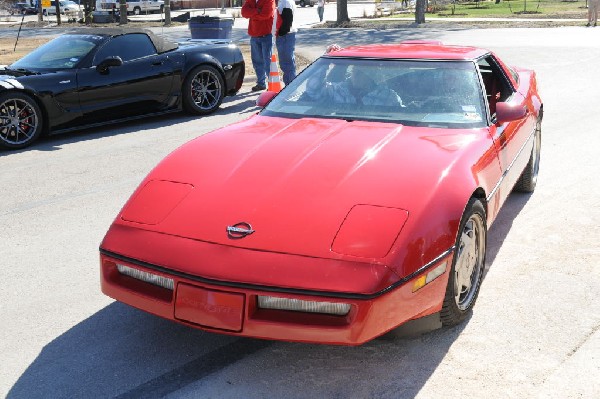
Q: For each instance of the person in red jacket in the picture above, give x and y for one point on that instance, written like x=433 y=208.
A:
x=260 y=25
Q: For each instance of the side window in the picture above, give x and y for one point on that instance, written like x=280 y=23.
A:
x=497 y=87
x=129 y=47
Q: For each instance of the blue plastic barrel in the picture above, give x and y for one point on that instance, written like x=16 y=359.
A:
x=210 y=27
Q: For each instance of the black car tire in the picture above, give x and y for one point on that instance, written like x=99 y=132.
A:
x=20 y=120
x=302 y=3
x=468 y=265
x=528 y=179
x=137 y=11
x=203 y=90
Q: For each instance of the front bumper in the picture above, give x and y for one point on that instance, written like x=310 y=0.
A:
x=232 y=308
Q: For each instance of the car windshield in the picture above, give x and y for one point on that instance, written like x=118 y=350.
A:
x=417 y=93
x=64 y=52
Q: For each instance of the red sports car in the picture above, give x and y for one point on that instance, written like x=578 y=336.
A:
x=358 y=199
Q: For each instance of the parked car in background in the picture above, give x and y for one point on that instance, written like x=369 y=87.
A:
x=304 y=3
x=66 y=7
x=358 y=199
x=90 y=77
x=135 y=7
x=23 y=8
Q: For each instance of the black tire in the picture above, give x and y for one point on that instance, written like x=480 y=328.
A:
x=137 y=11
x=20 y=120
x=468 y=265
x=528 y=179
x=203 y=90
x=302 y=3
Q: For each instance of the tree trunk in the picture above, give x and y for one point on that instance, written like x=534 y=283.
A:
x=122 y=12
x=167 y=10
x=342 y=12
x=88 y=7
x=420 y=11
x=57 y=7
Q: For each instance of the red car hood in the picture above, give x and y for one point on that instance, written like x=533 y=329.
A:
x=293 y=181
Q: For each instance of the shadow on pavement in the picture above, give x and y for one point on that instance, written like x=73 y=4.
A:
x=123 y=352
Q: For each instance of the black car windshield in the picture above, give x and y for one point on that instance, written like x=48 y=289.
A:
x=64 y=52
x=418 y=93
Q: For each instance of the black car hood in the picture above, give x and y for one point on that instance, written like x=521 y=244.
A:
x=10 y=80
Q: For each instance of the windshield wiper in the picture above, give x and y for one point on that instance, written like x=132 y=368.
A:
x=23 y=71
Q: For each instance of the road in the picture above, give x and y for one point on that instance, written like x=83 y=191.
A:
x=534 y=333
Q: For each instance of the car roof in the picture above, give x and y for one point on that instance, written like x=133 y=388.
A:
x=162 y=44
x=412 y=49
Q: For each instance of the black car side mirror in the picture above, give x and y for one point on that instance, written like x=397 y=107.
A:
x=109 y=62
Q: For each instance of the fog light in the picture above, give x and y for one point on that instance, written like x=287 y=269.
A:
x=146 y=277
x=297 y=305
x=425 y=279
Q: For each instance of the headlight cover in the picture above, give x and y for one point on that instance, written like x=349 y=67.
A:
x=369 y=231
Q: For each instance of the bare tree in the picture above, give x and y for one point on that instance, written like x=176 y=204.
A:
x=122 y=12
x=57 y=8
x=167 y=10
x=88 y=7
x=420 y=11
x=342 y=11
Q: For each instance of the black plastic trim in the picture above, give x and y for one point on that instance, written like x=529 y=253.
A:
x=256 y=287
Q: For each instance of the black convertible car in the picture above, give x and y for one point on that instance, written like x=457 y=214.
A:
x=97 y=76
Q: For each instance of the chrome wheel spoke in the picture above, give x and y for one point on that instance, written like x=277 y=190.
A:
x=18 y=121
x=206 y=90
x=469 y=263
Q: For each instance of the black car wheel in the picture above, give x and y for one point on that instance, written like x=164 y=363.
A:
x=468 y=265
x=302 y=3
x=203 y=90
x=528 y=179
x=20 y=120
x=137 y=11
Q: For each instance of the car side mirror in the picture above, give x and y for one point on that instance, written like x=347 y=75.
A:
x=506 y=112
x=109 y=62
x=264 y=98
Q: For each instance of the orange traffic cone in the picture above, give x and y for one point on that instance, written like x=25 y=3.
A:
x=274 y=81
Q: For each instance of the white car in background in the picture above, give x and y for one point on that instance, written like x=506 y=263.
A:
x=67 y=7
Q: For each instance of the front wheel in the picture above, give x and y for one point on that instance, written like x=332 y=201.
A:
x=528 y=179
x=302 y=3
x=20 y=120
x=203 y=90
x=137 y=11
x=468 y=265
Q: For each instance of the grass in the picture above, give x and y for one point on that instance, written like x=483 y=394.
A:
x=517 y=8
x=567 y=9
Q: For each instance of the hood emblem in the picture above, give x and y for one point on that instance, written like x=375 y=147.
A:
x=239 y=230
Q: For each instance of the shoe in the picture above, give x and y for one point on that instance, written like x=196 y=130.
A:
x=588 y=25
x=594 y=24
x=259 y=88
